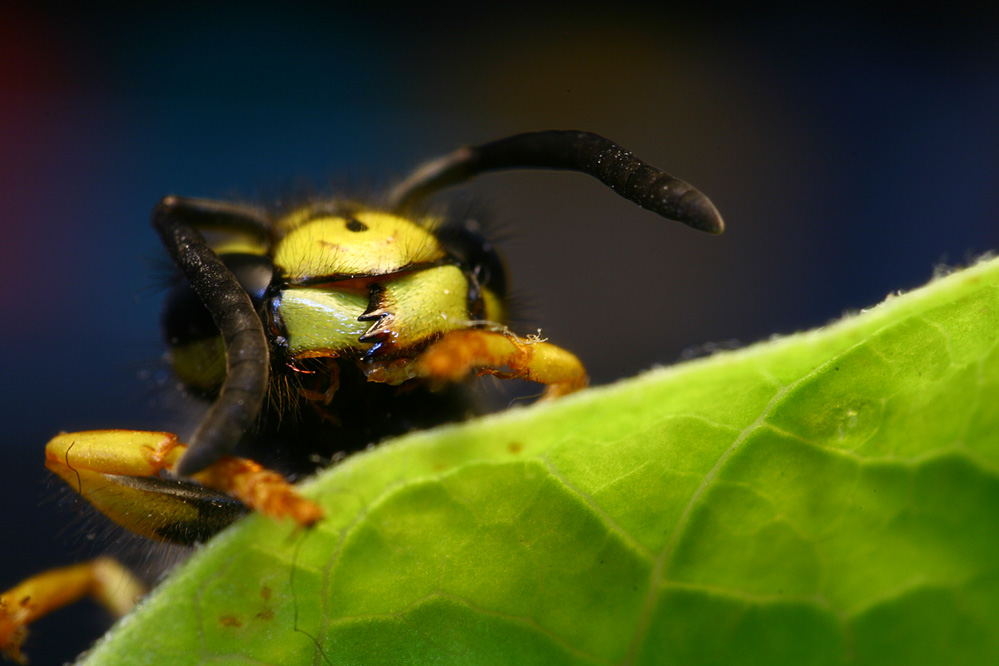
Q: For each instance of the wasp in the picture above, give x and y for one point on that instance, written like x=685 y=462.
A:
x=329 y=324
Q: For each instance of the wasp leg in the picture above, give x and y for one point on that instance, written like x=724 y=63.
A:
x=458 y=353
x=117 y=471
x=104 y=579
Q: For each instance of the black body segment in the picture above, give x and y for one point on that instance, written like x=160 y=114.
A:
x=209 y=512
x=585 y=152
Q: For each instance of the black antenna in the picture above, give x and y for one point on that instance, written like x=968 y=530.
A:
x=617 y=168
x=247 y=355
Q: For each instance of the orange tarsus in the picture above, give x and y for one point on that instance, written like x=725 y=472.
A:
x=261 y=489
x=501 y=353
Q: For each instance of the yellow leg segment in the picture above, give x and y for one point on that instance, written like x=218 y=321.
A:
x=88 y=461
x=505 y=355
x=104 y=579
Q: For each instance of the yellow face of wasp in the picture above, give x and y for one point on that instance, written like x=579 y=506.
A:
x=386 y=282
x=365 y=243
x=355 y=283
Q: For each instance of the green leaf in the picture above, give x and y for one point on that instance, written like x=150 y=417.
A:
x=830 y=497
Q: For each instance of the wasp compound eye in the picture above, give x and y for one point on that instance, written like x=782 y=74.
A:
x=466 y=243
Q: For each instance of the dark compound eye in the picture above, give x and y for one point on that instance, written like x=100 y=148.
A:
x=185 y=318
x=476 y=254
x=356 y=225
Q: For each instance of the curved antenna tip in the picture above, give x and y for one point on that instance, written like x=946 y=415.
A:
x=677 y=200
x=704 y=216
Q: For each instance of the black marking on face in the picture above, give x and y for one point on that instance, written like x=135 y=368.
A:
x=356 y=225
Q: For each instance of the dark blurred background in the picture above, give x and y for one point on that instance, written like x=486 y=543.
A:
x=851 y=151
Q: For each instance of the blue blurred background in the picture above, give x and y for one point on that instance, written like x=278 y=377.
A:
x=851 y=151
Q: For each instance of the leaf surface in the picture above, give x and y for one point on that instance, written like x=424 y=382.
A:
x=830 y=497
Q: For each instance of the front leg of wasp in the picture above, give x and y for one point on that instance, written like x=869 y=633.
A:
x=106 y=467
x=118 y=472
x=459 y=353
